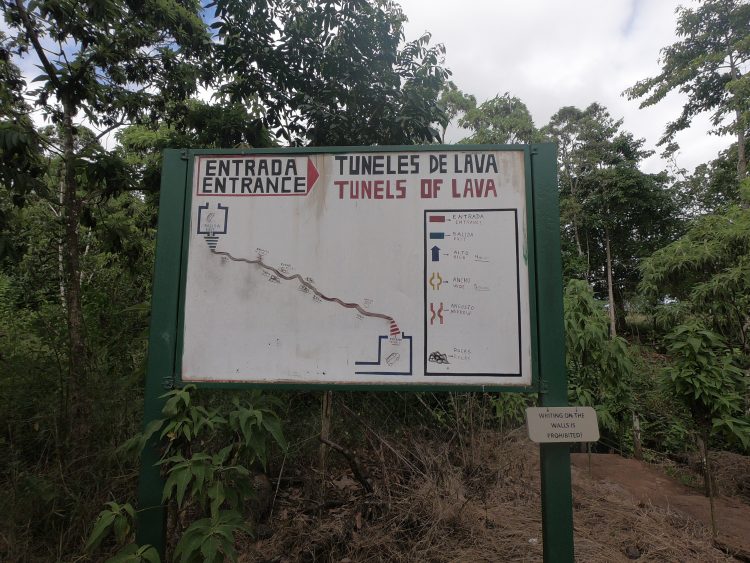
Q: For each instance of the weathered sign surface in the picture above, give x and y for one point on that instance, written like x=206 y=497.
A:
x=562 y=424
x=367 y=268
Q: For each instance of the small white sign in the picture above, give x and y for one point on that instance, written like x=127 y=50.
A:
x=562 y=424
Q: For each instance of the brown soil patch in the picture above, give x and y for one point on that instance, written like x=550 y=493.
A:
x=428 y=506
x=646 y=485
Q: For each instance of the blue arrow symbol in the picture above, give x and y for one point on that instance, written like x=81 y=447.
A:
x=435 y=254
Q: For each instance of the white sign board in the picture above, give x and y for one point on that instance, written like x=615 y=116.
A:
x=366 y=268
x=562 y=424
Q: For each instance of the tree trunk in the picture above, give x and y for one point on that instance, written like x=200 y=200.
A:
x=610 y=289
x=708 y=479
x=576 y=235
x=61 y=245
x=741 y=158
x=637 y=447
x=71 y=210
x=573 y=194
x=71 y=265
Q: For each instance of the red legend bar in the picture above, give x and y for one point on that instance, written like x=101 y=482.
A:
x=437 y=218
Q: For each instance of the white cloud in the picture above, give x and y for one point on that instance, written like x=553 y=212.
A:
x=553 y=54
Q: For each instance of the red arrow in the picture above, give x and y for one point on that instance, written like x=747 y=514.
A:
x=312 y=174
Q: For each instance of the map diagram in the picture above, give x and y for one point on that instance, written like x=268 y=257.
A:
x=341 y=269
x=393 y=339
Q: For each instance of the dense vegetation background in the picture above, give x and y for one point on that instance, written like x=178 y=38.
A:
x=657 y=266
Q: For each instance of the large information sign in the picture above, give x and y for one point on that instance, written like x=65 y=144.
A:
x=406 y=267
x=374 y=268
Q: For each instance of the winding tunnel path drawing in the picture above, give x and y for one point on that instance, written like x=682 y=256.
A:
x=390 y=346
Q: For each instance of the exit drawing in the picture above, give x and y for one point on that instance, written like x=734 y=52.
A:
x=372 y=268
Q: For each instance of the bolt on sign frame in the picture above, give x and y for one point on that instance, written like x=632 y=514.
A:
x=186 y=214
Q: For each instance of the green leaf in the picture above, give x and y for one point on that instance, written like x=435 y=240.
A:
x=210 y=549
x=199 y=471
x=103 y=522
x=149 y=554
x=121 y=528
x=134 y=554
x=189 y=544
x=129 y=510
x=128 y=554
x=222 y=455
x=134 y=446
x=217 y=496
x=273 y=425
x=182 y=480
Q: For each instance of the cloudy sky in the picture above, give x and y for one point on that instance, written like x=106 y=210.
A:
x=551 y=54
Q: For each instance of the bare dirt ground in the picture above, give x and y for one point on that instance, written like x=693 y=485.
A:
x=442 y=500
x=645 y=484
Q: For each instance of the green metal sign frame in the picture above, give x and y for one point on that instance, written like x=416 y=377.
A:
x=548 y=355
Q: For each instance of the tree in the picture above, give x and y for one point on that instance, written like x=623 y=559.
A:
x=575 y=130
x=708 y=272
x=106 y=64
x=599 y=366
x=711 y=188
x=19 y=145
x=707 y=64
x=627 y=213
x=704 y=378
x=503 y=119
x=331 y=73
x=302 y=72
x=129 y=63
x=198 y=124
x=454 y=103
x=612 y=213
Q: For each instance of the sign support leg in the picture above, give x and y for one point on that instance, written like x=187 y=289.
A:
x=557 y=501
x=161 y=350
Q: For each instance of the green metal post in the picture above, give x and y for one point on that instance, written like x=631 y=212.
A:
x=161 y=347
x=557 y=500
